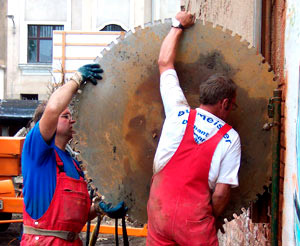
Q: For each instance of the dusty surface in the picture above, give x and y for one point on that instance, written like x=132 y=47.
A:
x=11 y=237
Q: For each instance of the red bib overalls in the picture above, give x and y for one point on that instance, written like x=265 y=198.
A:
x=179 y=206
x=68 y=211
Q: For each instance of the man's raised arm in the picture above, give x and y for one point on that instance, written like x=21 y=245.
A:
x=168 y=48
x=61 y=98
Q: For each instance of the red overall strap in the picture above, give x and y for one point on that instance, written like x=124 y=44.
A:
x=60 y=164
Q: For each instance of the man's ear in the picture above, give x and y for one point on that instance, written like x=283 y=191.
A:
x=226 y=104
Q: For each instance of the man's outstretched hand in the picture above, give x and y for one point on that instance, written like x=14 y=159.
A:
x=186 y=19
x=89 y=72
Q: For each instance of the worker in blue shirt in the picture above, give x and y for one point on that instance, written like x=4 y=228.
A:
x=56 y=199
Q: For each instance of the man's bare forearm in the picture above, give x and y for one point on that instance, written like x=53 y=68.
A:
x=220 y=198
x=168 y=50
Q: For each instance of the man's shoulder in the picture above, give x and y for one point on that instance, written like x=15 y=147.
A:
x=35 y=150
x=178 y=113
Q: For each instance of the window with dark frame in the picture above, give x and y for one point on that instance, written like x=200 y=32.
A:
x=29 y=97
x=40 y=43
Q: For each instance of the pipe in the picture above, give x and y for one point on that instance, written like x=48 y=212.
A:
x=276 y=102
x=11 y=221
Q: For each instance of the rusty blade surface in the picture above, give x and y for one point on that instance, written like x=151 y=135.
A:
x=119 y=121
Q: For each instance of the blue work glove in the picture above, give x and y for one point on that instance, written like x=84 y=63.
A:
x=116 y=212
x=89 y=72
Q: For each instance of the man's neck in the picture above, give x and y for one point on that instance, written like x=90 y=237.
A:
x=210 y=108
x=213 y=109
x=61 y=144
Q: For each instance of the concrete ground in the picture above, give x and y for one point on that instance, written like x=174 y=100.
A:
x=11 y=237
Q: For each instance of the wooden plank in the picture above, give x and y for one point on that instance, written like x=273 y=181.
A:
x=66 y=71
x=89 y=33
x=63 y=53
x=75 y=58
x=81 y=44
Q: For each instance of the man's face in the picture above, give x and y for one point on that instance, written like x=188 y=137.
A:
x=64 y=125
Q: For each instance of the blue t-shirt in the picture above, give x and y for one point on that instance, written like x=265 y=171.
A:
x=39 y=171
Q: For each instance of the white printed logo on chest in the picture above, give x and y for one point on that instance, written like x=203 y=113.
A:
x=200 y=135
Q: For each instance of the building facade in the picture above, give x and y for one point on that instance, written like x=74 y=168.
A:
x=26 y=62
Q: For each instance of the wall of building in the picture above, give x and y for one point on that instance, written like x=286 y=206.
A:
x=107 y=12
x=23 y=77
x=87 y=15
x=291 y=202
x=240 y=16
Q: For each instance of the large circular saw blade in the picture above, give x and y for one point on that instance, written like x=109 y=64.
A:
x=119 y=121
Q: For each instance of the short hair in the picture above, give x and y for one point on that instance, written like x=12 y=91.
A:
x=39 y=112
x=216 y=88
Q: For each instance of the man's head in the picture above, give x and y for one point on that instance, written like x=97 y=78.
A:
x=218 y=92
x=64 y=125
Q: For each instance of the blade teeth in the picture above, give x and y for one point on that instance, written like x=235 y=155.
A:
x=157 y=22
x=129 y=33
x=148 y=25
x=97 y=59
x=119 y=39
x=104 y=52
x=276 y=79
x=138 y=28
x=219 y=27
x=229 y=32
x=168 y=20
x=270 y=69
x=238 y=36
x=224 y=29
x=208 y=23
x=122 y=35
x=116 y=41
x=233 y=33
x=262 y=58
x=246 y=43
x=111 y=45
